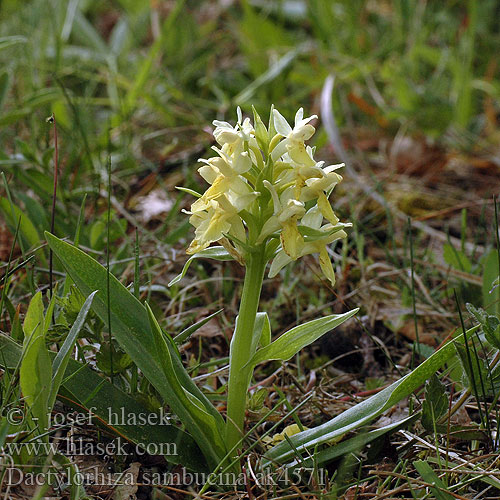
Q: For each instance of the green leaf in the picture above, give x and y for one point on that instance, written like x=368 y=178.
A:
x=354 y=444
x=456 y=258
x=186 y=405
x=429 y=476
x=71 y=304
x=36 y=368
x=192 y=192
x=489 y=324
x=85 y=33
x=131 y=328
x=491 y=294
x=262 y=329
x=257 y=399
x=34 y=319
x=364 y=412
x=120 y=37
x=49 y=314
x=310 y=234
x=435 y=404
x=62 y=358
x=121 y=360
x=34 y=375
x=29 y=234
x=217 y=253
x=185 y=334
x=301 y=336
x=265 y=336
x=475 y=373
x=84 y=390
x=261 y=133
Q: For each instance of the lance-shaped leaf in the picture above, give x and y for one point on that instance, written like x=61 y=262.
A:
x=262 y=330
x=130 y=326
x=352 y=445
x=34 y=319
x=291 y=342
x=35 y=370
x=185 y=404
x=62 y=358
x=364 y=412
x=87 y=392
x=185 y=334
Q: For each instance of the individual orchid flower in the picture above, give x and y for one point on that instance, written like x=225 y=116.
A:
x=298 y=174
x=317 y=242
x=294 y=138
x=223 y=174
x=233 y=139
x=320 y=187
x=213 y=224
x=287 y=211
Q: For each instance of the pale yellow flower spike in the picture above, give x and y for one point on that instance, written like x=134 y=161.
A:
x=230 y=211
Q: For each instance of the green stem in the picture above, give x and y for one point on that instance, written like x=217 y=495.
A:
x=241 y=344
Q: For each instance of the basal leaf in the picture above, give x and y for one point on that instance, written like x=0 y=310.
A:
x=354 y=444
x=62 y=358
x=90 y=394
x=34 y=319
x=364 y=412
x=35 y=370
x=131 y=328
x=186 y=405
x=34 y=375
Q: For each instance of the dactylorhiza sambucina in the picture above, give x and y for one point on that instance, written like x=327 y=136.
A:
x=267 y=191
x=268 y=201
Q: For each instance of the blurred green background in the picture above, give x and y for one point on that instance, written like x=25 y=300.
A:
x=141 y=81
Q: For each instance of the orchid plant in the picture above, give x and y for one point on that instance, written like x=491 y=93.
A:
x=268 y=201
